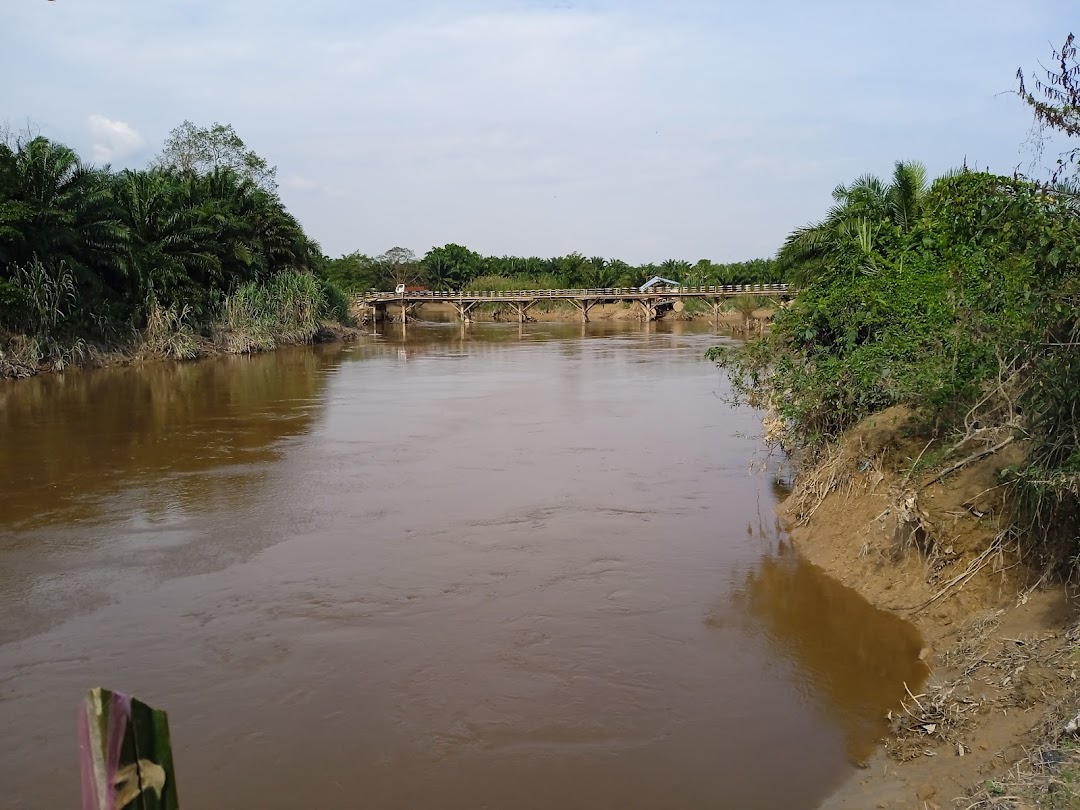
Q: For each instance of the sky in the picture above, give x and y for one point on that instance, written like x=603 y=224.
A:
x=639 y=130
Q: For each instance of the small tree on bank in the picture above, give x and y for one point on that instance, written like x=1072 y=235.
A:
x=192 y=150
x=1054 y=99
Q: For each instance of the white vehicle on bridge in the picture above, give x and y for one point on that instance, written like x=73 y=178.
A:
x=655 y=280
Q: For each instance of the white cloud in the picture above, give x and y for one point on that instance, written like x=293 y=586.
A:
x=113 y=140
x=623 y=127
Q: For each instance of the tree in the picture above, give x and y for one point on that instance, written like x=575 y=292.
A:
x=192 y=150
x=622 y=274
x=675 y=269
x=451 y=266
x=399 y=266
x=353 y=273
x=570 y=270
x=1055 y=103
x=88 y=253
x=170 y=257
x=700 y=274
x=56 y=208
x=600 y=273
x=191 y=239
x=860 y=212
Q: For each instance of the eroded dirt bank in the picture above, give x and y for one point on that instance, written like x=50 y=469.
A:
x=987 y=728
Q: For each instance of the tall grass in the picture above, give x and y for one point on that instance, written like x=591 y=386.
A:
x=40 y=320
x=337 y=305
x=48 y=296
x=36 y=303
x=258 y=317
x=169 y=332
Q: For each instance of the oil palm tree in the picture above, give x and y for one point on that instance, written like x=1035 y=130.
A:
x=675 y=269
x=171 y=257
x=58 y=209
x=599 y=273
x=859 y=213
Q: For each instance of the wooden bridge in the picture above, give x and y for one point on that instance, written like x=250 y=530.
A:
x=653 y=302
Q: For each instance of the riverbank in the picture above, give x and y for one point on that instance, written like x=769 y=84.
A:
x=20 y=358
x=987 y=728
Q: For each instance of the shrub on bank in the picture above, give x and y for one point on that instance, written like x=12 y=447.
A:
x=543 y=281
x=287 y=309
x=969 y=314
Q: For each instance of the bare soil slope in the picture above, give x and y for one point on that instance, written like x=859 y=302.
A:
x=1000 y=644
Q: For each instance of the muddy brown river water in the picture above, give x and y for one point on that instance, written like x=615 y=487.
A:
x=505 y=568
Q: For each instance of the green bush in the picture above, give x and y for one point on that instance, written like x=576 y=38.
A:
x=543 y=281
x=14 y=305
x=258 y=317
x=335 y=303
x=973 y=312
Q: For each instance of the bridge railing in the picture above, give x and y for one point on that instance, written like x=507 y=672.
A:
x=604 y=292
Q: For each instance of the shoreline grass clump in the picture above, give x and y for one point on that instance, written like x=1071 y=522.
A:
x=259 y=317
x=169 y=333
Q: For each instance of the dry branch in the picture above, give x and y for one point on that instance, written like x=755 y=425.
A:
x=969 y=460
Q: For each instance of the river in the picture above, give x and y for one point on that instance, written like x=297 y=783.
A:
x=501 y=567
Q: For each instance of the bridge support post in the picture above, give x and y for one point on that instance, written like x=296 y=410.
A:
x=648 y=309
x=583 y=305
x=464 y=310
x=522 y=310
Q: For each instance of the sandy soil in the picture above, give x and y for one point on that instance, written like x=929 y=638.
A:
x=1000 y=652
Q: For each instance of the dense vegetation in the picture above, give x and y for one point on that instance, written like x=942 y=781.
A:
x=958 y=298
x=196 y=248
x=456 y=267
x=198 y=251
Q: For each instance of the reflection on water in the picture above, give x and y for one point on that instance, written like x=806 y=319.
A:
x=96 y=466
x=65 y=439
x=854 y=660
x=499 y=566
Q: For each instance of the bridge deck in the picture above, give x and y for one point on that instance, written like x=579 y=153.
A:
x=604 y=294
x=653 y=301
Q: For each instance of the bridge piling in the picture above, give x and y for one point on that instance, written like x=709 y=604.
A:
x=648 y=309
x=522 y=309
x=653 y=302
x=583 y=305
x=464 y=310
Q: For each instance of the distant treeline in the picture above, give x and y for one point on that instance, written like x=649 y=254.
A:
x=198 y=251
x=456 y=267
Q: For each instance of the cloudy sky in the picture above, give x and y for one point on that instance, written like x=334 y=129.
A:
x=642 y=129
